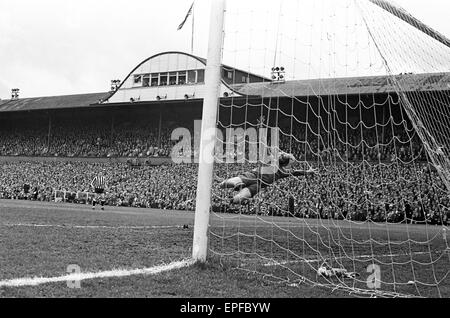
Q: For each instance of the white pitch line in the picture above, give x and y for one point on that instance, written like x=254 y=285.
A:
x=151 y=227
x=275 y=263
x=27 y=281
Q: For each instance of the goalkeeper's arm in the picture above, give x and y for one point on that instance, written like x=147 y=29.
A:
x=310 y=171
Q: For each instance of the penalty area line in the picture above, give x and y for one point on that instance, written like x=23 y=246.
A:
x=118 y=273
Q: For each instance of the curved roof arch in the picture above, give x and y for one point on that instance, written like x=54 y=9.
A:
x=201 y=60
x=226 y=85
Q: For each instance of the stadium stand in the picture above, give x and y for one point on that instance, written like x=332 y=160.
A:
x=145 y=132
x=91 y=126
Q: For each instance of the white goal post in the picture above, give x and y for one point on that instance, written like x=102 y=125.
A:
x=208 y=136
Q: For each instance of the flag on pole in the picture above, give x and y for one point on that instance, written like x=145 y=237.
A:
x=187 y=16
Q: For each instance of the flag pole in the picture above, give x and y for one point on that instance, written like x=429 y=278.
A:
x=193 y=25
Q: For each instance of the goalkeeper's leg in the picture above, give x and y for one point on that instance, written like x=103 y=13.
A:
x=240 y=182
x=246 y=194
x=242 y=197
x=232 y=183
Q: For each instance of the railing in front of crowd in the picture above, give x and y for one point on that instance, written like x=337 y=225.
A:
x=80 y=197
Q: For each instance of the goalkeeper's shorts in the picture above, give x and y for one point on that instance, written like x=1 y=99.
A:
x=254 y=189
x=249 y=178
x=253 y=184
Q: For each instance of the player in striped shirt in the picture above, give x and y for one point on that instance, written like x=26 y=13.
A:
x=99 y=186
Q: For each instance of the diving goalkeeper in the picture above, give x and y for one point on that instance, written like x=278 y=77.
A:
x=250 y=183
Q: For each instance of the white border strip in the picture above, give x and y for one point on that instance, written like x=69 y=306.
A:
x=92 y=227
x=21 y=282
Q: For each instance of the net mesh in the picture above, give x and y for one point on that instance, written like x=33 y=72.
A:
x=363 y=96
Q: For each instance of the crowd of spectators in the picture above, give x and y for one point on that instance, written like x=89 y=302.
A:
x=377 y=145
x=149 y=139
x=379 y=173
x=87 y=140
x=164 y=187
x=380 y=193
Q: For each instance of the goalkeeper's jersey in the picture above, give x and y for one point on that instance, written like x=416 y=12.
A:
x=269 y=174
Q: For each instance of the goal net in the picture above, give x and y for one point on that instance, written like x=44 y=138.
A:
x=359 y=90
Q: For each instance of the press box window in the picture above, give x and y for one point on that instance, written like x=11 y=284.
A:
x=181 y=78
x=146 y=80
x=155 y=78
x=200 y=76
x=162 y=79
x=192 y=77
x=173 y=78
x=137 y=79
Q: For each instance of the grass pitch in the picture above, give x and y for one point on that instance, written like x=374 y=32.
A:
x=252 y=256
